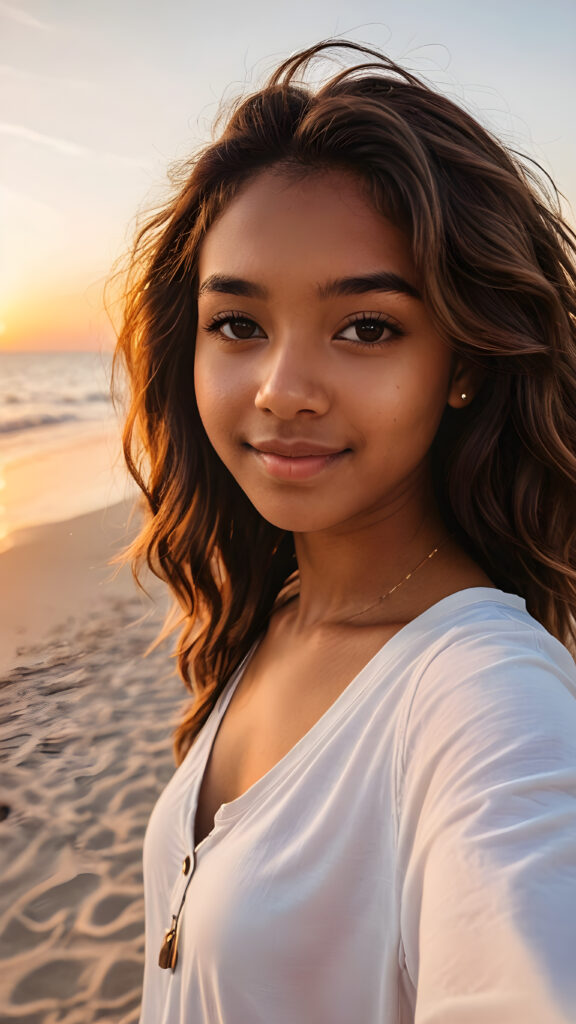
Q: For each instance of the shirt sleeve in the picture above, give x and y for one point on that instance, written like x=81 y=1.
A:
x=487 y=834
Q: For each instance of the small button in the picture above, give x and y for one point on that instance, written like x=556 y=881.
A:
x=186 y=865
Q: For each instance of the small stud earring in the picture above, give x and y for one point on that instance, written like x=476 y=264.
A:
x=463 y=396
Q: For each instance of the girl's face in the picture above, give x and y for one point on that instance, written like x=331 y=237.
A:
x=319 y=377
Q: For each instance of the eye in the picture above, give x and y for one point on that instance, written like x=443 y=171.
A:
x=235 y=327
x=370 y=329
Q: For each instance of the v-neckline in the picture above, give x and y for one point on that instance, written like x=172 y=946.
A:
x=231 y=810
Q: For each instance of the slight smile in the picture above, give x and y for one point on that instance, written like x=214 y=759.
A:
x=298 y=460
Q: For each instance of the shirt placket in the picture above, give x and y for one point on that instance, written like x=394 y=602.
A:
x=168 y=957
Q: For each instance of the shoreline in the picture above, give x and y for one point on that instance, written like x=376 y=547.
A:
x=70 y=475
x=56 y=574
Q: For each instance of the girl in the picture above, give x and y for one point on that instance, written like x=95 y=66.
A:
x=350 y=343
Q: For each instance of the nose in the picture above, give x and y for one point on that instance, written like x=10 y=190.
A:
x=292 y=382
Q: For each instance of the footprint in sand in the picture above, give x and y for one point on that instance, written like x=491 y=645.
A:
x=99 y=839
x=122 y=977
x=16 y=937
x=47 y=901
x=56 y=979
x=110 y=907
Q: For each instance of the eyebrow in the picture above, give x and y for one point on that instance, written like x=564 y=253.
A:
x=379 y=281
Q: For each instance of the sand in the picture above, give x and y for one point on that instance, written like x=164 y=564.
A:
x=57 y=575
x=85 y=749
x=68 y=477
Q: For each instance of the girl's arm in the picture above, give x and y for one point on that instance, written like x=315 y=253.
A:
x=487 y=834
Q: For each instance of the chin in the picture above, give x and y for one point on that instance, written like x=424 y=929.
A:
x=295 y=520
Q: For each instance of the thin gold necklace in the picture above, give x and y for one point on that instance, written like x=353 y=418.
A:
x=397 y=585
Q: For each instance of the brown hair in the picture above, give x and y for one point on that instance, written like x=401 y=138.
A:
x=496 y=262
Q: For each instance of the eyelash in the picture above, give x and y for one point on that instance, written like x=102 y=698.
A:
x=215 y=325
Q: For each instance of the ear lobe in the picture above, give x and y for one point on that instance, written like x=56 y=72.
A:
x=465 y=382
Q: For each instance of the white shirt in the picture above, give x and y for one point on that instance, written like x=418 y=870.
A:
x=411 y=859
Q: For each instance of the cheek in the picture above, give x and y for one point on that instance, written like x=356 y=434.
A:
x=217 y=397
x=409 y=407
x=208 y=384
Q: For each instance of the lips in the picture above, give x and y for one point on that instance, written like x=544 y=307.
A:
x=294 y=449
x=295 y=460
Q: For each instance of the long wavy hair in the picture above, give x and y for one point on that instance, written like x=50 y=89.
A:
x=497 y=268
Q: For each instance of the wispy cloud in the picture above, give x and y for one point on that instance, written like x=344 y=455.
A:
x=20 y=75
x=23 y=17
x=67 y=148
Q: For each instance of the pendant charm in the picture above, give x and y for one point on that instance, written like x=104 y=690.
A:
x=169 y=951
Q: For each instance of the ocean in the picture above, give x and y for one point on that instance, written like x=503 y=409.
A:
x=59 y=438
x=47 y=396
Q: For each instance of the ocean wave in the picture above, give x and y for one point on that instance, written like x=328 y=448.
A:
x=93 y=396
x=56 y=399
x=35 y=421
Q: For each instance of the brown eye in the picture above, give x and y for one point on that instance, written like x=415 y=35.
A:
x=239 y=328
x=370 y=330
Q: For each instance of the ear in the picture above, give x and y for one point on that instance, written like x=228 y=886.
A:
x=465 y=382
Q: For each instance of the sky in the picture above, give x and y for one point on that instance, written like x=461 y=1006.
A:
x=99 y=97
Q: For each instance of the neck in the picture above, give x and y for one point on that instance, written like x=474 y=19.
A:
x=343 y=572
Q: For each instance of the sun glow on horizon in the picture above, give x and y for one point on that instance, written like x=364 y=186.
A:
x=56 y=320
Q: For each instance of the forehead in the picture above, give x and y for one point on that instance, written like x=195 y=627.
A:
x=318 y=225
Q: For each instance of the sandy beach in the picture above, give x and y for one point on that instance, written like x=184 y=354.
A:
x=85 y=748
